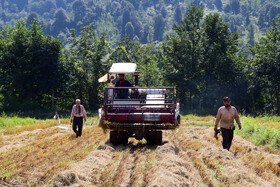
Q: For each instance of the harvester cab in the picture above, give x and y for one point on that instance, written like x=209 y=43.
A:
x=132 y=111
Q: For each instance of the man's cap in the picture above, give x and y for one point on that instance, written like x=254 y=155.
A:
x=226 y=99
x=121 y=74
x=78 y=100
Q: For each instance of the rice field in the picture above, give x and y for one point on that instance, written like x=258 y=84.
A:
x=38 y=153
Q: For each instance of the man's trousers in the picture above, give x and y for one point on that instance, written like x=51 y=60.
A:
x=227 y=135
x=78 y=122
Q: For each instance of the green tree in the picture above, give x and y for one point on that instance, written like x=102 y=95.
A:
x=145 y=34
x=183 y=56
x=266 y=66
x=79 y=10
x=106 y=24
x=137 y=25
x=61 y=4
x=14 y=8
x=125 y=51
x=178 y=15
x=251 y=35
x=273 y=13
x=159 y=27
x=219 y=4
x=20 y=4
x=220 y=48
x=163 y=11
x=235 y=6
x=148 y=65
x=30 y=67
x=60 y=21
x=85 y=55
x=47 y=6
x=31 y=17
x=129 y=30
x=125 y=20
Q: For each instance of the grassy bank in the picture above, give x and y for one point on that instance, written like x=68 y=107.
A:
x=259 y=130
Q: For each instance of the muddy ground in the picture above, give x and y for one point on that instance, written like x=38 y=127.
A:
x=189 y=156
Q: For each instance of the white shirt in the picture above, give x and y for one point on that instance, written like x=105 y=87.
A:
x=226 y=117
x=78 y=111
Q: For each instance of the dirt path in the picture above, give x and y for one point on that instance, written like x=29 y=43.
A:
x=189 y=156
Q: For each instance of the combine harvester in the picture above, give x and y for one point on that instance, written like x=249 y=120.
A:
x=143 y=113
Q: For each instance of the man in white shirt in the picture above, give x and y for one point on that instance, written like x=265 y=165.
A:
x=77 y=115
x=225 y=116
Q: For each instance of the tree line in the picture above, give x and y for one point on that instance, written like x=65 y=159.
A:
x=202 y=59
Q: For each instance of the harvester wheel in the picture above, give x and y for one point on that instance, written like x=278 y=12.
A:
x=119 y=137
x=154 y=138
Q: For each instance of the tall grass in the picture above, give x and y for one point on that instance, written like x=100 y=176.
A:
x=16 y=125
x=261 y=131
x=40 y=125
x=10 y=122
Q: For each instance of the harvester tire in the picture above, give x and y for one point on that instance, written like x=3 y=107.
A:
x=154 y=138
x=118 y=137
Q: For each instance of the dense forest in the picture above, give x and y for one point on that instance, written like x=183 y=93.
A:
x=207 y=49
x=144 y=21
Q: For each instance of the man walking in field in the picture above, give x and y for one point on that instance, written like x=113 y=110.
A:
x=225 y=116
x=77 y=115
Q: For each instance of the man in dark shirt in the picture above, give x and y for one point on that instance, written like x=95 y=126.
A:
x=122 y=93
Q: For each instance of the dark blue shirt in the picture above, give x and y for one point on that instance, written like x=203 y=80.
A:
x=122 y=93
